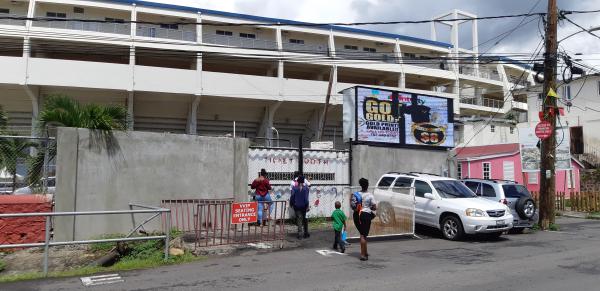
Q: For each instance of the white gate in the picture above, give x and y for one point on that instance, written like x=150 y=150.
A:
x=326 y=170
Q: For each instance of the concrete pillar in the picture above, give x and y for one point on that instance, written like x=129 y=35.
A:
x=33 y=92
x=402 y=81
x=314 y=124
x=334 y=85
x=331 y=44
x=475 y=38
x=132 y=46
x=199 y=27
x=192 y=119
x=531 y=79
x=265 y=129
x=131 y=116
x=26 y=40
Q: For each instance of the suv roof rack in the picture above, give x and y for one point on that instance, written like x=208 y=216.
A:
x=420 y=173
x=400 y=173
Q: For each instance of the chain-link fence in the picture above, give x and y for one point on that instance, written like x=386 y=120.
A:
x=27 y=165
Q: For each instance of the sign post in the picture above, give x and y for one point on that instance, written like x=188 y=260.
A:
x=244 y=212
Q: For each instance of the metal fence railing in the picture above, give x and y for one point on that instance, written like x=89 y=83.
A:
x=482 y=101
x=235 y=41
x=27 y=165
x=215 y=226
x=183 y=212
x=322 y=49
x=8 y=21
x=157 y=32
x=104 y=27
x=6 y=217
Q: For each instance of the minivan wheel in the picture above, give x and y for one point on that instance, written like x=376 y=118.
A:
x=452 y=228
x=386 y=214
x=525 y=207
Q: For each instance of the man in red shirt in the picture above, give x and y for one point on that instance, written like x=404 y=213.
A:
x=262 y=186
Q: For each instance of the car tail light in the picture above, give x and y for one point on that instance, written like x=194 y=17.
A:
x=504 y=201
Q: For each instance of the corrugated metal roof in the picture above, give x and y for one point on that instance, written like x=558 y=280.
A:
x=487 y=150
x=282 y=21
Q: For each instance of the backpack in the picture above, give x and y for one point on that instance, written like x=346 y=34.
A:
x=356 y=202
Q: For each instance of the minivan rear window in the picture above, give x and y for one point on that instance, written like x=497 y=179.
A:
x=386 y=181
x=515 y=191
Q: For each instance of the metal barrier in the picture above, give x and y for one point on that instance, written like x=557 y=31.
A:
x=214 y=225
x=47 y=243
x=183 y=212
x=395 y=214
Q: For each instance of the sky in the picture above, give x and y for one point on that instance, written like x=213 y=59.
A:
x=523 y=40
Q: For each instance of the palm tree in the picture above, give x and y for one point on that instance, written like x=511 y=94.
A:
x=62 y=110
x=13 y=150
x=3 y=119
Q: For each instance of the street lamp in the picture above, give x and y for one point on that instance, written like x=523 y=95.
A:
x=589 y=30
x=276 y=132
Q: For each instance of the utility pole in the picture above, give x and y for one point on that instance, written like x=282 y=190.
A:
x=548 y=149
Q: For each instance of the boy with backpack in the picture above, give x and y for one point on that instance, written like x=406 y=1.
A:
x=339 y=224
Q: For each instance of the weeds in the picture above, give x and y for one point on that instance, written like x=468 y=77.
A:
x=2 y=265
x=553 y=227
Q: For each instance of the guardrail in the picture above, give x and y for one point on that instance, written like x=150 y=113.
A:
x=481 y=101
x=306 y=48
x=47 y=243
x=116 y=28
x=8 y=21
x=235 y=41
x=157 y=32
x=483 y=73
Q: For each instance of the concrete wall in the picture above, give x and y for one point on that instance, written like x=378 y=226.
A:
x=371 y=162
x=147 y=168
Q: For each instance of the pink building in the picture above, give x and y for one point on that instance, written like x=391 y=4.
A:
x=503 y=162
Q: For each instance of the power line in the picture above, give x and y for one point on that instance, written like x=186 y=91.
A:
x=581 y=27
x=287 y=23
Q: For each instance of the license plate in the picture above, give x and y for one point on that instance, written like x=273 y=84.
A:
x=499 y=222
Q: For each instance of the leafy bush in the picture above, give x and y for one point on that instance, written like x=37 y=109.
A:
x=2 y=265
x=554 y=227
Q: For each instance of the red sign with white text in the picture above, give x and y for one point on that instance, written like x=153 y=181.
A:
x=244 y=212
x=543 y=130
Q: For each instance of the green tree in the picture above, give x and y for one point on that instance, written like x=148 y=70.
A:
x=61 y=110
x=3 y=119
x=64 y=111
x=13 y=150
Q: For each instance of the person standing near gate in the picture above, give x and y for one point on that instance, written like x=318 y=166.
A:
x=299 y=202
x=262 y=186
x=295 y=180
x=364 y=206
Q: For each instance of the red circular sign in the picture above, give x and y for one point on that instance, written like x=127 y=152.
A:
x=543 y=130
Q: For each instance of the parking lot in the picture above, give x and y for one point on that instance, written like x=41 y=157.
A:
x=565 y=260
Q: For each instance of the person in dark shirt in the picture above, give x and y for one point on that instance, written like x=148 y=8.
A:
x=299 y=202
x=262 y=187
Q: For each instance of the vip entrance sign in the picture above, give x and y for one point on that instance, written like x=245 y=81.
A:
x=245 y=212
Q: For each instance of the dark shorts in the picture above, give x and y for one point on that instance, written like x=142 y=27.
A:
x=364 y=225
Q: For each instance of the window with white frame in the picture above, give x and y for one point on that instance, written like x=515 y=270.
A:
x=78 y=10
x=351 y=47
x=296 y=41
x=532 y=178
x=247 y=35
x=369 y=50
x=487 y=171
x=56 y=15
x=224 y=32
x=4 y=11
x=492 y=128
x=459 y=170
x=569 y=179
x=117 y=20
x=512 y=130
x=169 y=26
x=410 y=56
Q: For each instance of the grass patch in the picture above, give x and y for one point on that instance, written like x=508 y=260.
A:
x=105 y=246
x=535 y=227
x=318 y=222
x=142 y=255
x=2 y=265
x=123 y=265
x=593 y=215
x=553 y=227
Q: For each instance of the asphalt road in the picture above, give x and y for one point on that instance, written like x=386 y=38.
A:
x=565 y=260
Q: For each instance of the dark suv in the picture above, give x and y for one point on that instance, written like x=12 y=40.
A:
x=516 y=196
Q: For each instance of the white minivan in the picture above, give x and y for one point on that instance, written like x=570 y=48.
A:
x=448 y=205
